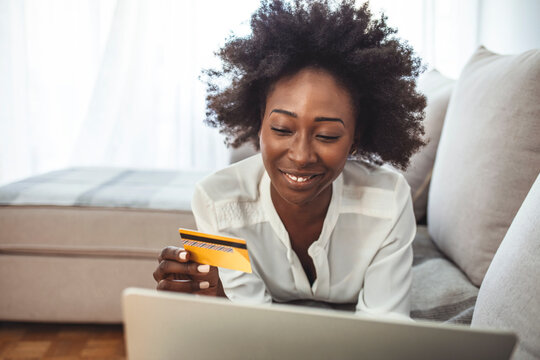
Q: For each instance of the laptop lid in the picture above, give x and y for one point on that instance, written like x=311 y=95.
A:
x=165 y=325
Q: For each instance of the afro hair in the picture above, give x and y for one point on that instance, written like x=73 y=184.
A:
x=378 y=69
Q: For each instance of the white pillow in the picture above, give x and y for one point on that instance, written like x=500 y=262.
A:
x=488 y=157
x=437 y=89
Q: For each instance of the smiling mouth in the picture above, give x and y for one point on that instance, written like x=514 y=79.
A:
x=298 y=178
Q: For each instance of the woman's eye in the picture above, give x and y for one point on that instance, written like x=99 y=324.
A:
x=281 y=131
x=328 y=137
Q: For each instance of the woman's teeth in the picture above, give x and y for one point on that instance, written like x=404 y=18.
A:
x=298 y=178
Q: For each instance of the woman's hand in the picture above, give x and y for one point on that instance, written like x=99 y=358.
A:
x=176 y=272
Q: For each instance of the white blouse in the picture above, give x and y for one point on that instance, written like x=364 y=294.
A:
x=362 y=256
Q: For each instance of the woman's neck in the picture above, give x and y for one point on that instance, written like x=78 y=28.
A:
x=304 y=223
x=306 y=213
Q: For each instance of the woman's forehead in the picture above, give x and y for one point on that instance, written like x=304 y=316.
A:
x=310 y=89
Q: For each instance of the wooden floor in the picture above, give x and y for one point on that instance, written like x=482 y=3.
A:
x=61 y=341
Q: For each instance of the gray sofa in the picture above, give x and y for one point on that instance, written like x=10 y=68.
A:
x=71 y=240
x=480 y=232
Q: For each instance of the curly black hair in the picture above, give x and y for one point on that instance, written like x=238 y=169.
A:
x=378 y=69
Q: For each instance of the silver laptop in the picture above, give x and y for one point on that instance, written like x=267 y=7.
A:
x=164 y=325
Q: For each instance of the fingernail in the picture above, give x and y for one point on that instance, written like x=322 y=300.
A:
x=203 y=268
x=183 y=255
x=204 y=285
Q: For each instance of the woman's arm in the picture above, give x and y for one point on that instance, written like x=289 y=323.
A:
x=235 y=285
x=388 y=278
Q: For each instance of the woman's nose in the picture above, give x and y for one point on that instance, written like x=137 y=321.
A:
x=301 y=151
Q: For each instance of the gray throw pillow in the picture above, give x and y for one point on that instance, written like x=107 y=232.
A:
x=510 y=294
x=488 y=157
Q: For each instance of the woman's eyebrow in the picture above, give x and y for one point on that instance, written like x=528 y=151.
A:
x=280 y=111
x=317 y=119
x=329 y=119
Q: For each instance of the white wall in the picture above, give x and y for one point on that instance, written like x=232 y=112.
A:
x=509 y=26
x=445 y=33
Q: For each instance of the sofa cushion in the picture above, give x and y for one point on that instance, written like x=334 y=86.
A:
x=439 y=291
x=437 y=89
x=509 y=296
x=488 y=157
x=96 y=211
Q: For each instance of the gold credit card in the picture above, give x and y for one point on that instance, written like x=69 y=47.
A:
x=215 y=250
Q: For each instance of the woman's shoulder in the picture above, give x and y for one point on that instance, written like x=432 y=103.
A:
x=363 y=174
x=376 y=190
x=237 y=182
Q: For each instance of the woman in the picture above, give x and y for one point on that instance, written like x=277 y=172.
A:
x=313 y=85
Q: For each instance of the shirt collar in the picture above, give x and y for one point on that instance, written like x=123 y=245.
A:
x=277 y=225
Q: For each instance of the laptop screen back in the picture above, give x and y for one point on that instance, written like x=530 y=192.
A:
x=163 y=325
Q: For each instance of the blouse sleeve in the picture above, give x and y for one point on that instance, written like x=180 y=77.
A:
x=388 y=278
x=238 y=286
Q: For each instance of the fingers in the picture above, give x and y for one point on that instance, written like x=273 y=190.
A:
x=173 y=253
x=168 y=267
x=176 y=273
x=167 y=258
x=207 y=273
x=177 y=277
x=203 y=283
x=186 y=286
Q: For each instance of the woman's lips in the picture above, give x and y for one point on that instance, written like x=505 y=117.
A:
x=300 y=179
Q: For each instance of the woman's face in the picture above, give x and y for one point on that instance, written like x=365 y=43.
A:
x=306 y=135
